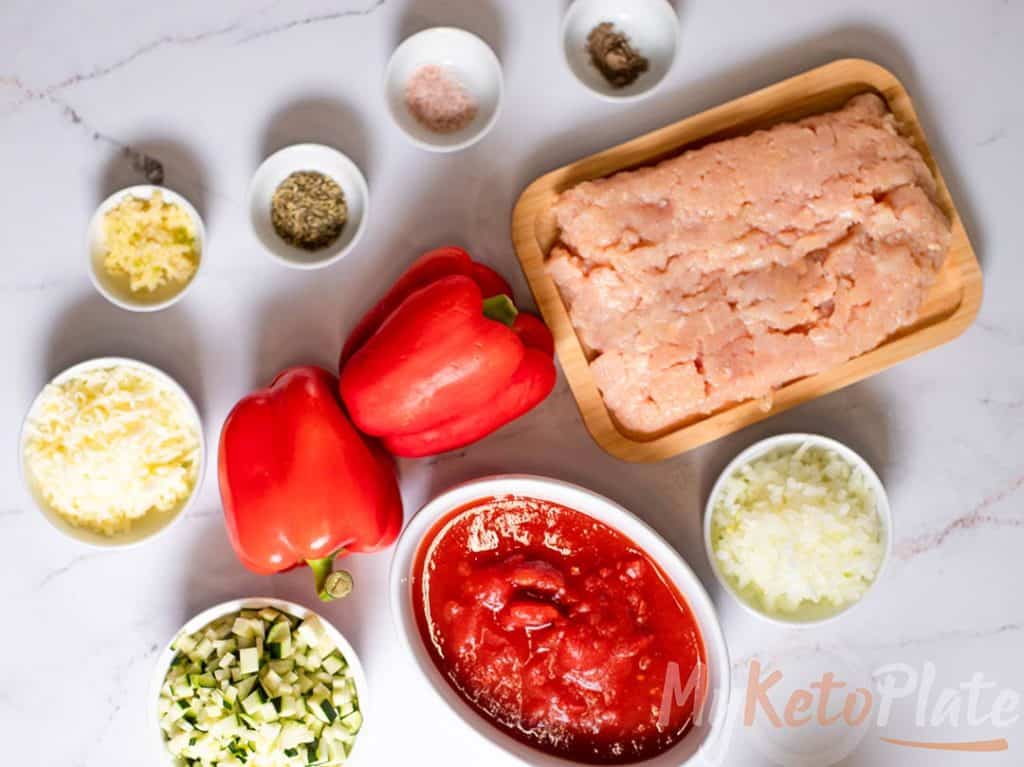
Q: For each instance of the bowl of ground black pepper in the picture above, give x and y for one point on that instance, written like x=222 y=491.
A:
x=620 y=49
x=308 y=205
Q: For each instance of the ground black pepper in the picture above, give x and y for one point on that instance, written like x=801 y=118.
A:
x=614 y=57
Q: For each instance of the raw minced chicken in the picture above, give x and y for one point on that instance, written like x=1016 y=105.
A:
x=720 y=275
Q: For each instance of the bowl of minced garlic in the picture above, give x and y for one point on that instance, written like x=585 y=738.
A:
x=112 y=451
x=145 y=247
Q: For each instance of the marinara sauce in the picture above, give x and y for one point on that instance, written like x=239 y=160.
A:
x=558 y=629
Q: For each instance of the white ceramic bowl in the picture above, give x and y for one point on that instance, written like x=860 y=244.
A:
x=698 y=740
x=115 y=287
x=811 y=616
x=163 y=665
x=148 y=526
x=651 y=26
x=323 y=159
x=469 y=60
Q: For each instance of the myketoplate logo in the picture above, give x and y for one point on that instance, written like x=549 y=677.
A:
x=815 y=708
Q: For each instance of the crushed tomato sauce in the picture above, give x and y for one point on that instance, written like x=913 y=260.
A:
x=558 y=629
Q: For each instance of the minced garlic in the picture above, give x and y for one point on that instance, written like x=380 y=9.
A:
x=152 y=241
x=108 y=446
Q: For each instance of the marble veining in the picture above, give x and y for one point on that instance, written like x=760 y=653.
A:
x=978 y=517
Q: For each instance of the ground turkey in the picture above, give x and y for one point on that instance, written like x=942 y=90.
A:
x=719 y=275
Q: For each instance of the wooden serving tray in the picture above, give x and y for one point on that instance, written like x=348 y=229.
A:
x=949 y=308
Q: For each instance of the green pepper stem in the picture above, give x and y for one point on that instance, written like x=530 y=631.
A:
x=330 y=583
x=500 y=309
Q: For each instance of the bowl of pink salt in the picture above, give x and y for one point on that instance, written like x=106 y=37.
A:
x=444 y=88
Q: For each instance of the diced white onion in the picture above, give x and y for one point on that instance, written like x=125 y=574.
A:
x=797 y=526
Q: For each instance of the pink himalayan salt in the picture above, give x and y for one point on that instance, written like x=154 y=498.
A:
x=438 y=101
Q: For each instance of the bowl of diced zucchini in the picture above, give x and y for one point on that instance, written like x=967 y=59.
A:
x=258 y=681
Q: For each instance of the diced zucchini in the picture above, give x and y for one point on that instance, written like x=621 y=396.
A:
x=202 y=650
x=333 y=663
x=295 y=734
x=353 y=722
x=271 y=681
x=249 y=660
x=243 y=628
x=282 y=667
x=310 y=631
x=252 y=703
x=259 y=687
x=280 y=632
x=345 y=708
x=322 y=752
x=329 y=711
x=269 y=614
x=222 y=647
x=287 y=707
x=178 y=743
x=267 y=712
x=245 y=686
x=202 y=680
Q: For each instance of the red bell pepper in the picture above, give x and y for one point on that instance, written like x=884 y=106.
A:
x=529 y=386
x=436 y=354
x=428 y=268
x=300 y=485
x=444 y=359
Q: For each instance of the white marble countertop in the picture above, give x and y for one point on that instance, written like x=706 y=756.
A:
x=88 y=90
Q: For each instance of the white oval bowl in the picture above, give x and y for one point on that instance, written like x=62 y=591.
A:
x=810 y=617
x=115 y=288
x=330 y=162
x=697 y=740
x=207 y=617
x=652 y=27
x=470 y=60
x=148 y=526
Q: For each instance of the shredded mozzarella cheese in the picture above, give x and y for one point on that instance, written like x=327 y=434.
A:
x=109 y=446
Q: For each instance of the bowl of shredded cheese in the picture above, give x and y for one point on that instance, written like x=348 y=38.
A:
x=145 y=247
x=112 y=451
x=798 y=529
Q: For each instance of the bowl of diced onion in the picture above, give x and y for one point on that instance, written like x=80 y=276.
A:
x=258 y=681
x=798 y=529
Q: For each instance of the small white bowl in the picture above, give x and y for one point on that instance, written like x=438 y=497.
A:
x=812 y=615
x=469 y=60
x=115 y=287
x=652 y=27
x=207 y=617
x=698 y=740
x=323 y=159
x=150 y=525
